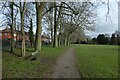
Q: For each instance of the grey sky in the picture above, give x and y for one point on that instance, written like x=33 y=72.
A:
x=103 y=26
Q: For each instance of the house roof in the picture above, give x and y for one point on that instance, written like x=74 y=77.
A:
x=8 y=30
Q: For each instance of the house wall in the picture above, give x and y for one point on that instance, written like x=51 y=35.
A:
x=7 y=36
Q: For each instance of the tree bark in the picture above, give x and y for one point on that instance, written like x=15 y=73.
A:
x=59 y=40
x=55 y=44
x=39 y=10
x=31 y=35
x=22 y=11
x=68 y=38
x=12 y=28
x=56 y=24
x=65 y=42
x=51 y=34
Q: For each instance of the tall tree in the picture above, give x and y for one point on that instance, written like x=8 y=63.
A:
x=55 y=43
x=8 y=10
x=101 y=39
x=31 y=35
x=94 y=40
x=82 y=17
x=118 y=39
x=49 y=20
x=39 y=9
x=22 y=15
x=12 y=26
x=113 y=39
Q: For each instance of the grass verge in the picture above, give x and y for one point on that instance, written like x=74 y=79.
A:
x=97 y=61
x=16 y=67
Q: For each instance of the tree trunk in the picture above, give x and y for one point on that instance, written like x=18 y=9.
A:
x=51 y=27
x=31 y=35
x=51 y=33
x=59 y=37
x=22 y=11
x=12 y=28
x=68 y=38
x=55 y=43
x=56 y=24
x=15 y=33
x=39 y=9
x=65 y=42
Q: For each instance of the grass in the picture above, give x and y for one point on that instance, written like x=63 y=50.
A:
x=97 y=61
x=16 y=67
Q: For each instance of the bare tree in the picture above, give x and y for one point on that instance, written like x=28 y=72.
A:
x=8 y=11
x=39 y=9
x=22 y=15
x=48 y=20
x=12 y=28
x=85 y=19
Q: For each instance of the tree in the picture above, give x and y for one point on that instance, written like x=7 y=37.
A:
x=12 y=27
x=56 y=24
x=101 y=39
x=48 y=20
x=8 y=11
x=31 y=35
x=22 y=15
x=118 y=39
x=84 y=19
x=39 y=9
x=106 y=40
x=81 y=16
x=113 y=39
x=117 y=33
x=94 y=40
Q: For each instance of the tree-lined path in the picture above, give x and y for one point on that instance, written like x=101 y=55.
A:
x=37 y=36
x=65 y=66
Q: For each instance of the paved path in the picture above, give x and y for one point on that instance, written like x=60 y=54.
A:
x=65 y=66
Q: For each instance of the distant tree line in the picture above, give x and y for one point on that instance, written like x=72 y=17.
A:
x=105 y=39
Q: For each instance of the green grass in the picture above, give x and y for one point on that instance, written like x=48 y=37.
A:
x=16 y=67
x=97 y=61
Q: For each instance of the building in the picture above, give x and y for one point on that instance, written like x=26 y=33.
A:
x=5 y=34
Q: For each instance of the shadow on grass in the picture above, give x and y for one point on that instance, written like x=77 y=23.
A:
x=29 y=50
x=31 y=57
x=8 y=51
x=28 y=57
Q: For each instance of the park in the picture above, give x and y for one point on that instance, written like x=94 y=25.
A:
x=59 y=39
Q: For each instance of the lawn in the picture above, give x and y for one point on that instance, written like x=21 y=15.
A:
x=97 y=61
x=16 y=67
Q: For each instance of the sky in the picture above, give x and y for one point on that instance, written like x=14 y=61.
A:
x=102 y=26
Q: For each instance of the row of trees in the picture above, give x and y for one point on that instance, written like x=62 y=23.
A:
x=62 y=20
x=105 y=39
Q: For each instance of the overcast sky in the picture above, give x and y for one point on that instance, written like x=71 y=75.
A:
x=102 y=26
